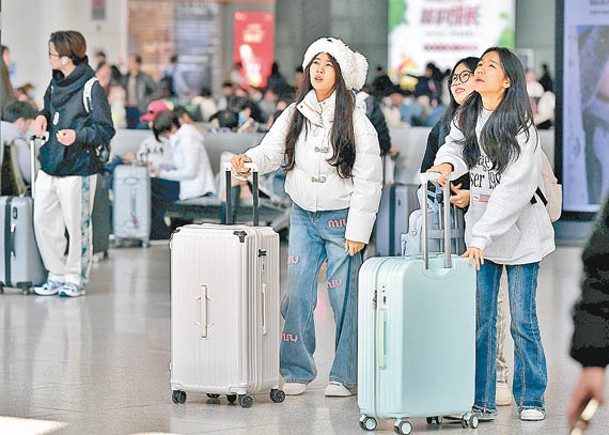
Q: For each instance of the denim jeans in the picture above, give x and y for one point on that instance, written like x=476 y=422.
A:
x=530 y=372
x=503 y=370
x=315 y=237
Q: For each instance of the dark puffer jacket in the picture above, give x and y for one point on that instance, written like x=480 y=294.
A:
x=64 y=109
x=590 y=345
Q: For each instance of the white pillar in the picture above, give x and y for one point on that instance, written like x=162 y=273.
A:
x=27 y=25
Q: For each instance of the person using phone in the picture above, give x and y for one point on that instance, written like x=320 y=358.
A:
x=590 y=343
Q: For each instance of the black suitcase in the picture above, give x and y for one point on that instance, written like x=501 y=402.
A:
x=100 y=216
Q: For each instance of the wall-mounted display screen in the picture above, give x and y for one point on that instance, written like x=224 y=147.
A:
x=583 y=53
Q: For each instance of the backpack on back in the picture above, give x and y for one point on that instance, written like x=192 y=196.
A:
x=103 y=152
x=551 y=192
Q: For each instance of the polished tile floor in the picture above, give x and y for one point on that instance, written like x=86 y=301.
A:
x=100 y=364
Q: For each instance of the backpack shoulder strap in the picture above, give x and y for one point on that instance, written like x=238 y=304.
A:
x=86 y=93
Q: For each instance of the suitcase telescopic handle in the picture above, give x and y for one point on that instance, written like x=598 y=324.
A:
x=255 y=193
x=425 y=178
x=33 y=139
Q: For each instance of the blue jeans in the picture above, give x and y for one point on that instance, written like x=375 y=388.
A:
x=315 y=237
x=530 y=372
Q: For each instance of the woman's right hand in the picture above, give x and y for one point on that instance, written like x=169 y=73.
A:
x=239 y=162
x=40 y=126
x=445 y=169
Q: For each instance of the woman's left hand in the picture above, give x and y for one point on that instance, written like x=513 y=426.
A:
x=66 y=137
x=460 y=197
x=475 y=255
x=353 y=247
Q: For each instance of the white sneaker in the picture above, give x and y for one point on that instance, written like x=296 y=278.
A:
x=294 y=388
x=336 y=389
x=71 y=290
x=532 y=414
x=503 y=394
x=49 y=288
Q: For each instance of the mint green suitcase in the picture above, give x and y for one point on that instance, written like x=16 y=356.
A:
x=417 y=334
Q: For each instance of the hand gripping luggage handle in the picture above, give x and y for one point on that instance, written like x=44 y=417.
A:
x=425 y=178
x=256 y=193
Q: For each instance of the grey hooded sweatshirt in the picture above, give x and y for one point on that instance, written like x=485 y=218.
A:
x=501 y=221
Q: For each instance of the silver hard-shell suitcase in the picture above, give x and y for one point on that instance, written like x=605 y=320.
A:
x=225 y=310
x=131 y=207
x=20 y=262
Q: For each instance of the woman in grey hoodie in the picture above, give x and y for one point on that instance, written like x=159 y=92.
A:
x=493 y=137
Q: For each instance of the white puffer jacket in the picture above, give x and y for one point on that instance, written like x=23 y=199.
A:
x=314 y=184
x=192 y=167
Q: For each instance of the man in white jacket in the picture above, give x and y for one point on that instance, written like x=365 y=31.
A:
x=190 y=177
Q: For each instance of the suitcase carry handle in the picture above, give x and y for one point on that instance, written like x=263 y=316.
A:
x=203 y=310
x=12 y=239
x=264 y=286
x=380 y=348
x=425 y=178
x=33 y=160
x=228 y=168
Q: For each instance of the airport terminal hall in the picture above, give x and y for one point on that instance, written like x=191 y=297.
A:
x=304 y=217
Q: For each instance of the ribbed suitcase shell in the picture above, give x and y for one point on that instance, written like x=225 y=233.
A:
x=225 y=315
x=131 y=210
x=416 y=345
x=20 y=262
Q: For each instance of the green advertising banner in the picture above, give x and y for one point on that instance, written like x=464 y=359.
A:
x=444 y=31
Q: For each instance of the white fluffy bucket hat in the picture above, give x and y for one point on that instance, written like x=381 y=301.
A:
x=353 y=65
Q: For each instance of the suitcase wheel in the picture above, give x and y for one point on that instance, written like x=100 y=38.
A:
x=431 y=420
x=277 y=396
x=213 y=396
x=402 y=427
x=26 y=288
x=470 y=420
x=178 y=396
x=367 y=423
x=246 y=401
x=232 y=398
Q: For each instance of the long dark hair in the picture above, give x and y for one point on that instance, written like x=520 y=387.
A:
x=471 y=63
x=343 y=135
x=512 y=116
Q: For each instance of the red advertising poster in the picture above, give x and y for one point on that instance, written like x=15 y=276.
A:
x=99 y=9
x=253 y=47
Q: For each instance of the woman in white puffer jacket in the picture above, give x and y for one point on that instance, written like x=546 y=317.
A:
x=331 y=154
